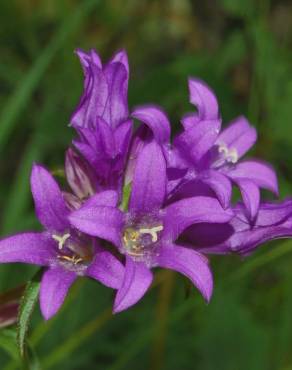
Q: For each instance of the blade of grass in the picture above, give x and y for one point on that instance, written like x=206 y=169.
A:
x=28 y=84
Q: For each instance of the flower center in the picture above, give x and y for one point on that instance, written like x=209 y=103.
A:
x=74 y=259
x=139 y=242
x=72 y=249
x=224 y=155
x=230 y=155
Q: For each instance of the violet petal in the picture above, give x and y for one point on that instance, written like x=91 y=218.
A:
x=183 y=213
x=149 y=182
x=136 y=282
x=101 y=221
x=107 y=269
x=50 y=205
x=33 y=248
x=189 y=263
x=239 y=135
x=156 y=120
x=54 y=288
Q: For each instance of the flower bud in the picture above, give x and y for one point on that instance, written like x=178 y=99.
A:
x=79 y=175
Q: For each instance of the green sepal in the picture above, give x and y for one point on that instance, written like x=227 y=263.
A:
x=126 y=196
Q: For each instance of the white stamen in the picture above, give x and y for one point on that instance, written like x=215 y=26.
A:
x=223 y=149
x=232 y=155
x=153 y=232
x=61 y=239
x=229 y=154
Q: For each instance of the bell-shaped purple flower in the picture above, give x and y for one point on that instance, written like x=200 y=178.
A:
x=64 y=252
x=102 y=119
x=105 y=90
x=213 y=158
x=147 y=232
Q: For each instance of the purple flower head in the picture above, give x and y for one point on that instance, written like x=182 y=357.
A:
x=64 y=252
x=101 y=118
x=213 y=158
x=105 y=90
x=242 y=235
x=147 y=232
x=178 y=208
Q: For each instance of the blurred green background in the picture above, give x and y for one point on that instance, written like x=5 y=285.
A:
x=243 y=50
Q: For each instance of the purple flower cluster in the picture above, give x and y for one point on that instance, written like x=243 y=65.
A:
x=136 y=201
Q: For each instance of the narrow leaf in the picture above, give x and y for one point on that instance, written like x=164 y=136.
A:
x=27 y=305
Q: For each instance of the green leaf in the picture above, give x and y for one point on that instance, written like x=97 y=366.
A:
x=27 y=305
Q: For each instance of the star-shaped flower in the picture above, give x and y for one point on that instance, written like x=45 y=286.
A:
x=147 y=232
x=64 y=252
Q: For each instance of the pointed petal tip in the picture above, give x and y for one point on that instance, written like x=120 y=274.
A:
x=207 y=294
x=79 y=51
x=196 y=80
x=38 y=170
x=191 y=264
x=36 y=166
x=47 y=315
x=121 y=53
x=204 y=99
x=117 y=309
x=121 y=56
